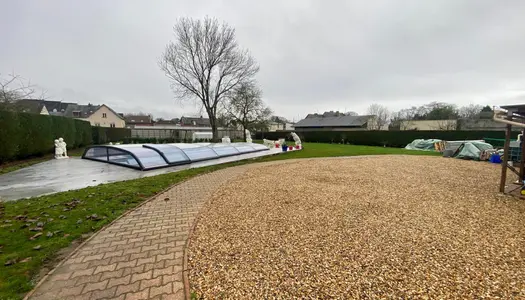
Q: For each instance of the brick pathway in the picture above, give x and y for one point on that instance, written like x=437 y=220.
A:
x=140 y=256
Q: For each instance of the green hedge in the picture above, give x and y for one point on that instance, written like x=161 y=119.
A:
x=25 y=135
x=383 y=138
x=104 y=135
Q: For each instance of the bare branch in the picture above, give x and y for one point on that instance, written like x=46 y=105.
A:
x=245 y=106
x=381 y=116
x=13 y=88
x=205 y=63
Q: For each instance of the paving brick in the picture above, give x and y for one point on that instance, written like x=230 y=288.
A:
x=93 y=257
x=163 y=289
x=99 y=262
x=137 y=269
x=161 y=257
x=104 y=294
x=150 y=283
x=162 y=271
x=114 y=274
x=62 y=276
x=138 y=296
x=149 y=248
x=95 y=286
x=127 y=264
x=71 y=291
x=174 y=277
x=121 y=258
x=145 y=260
x=113 y=253
x=87 y=279
x=107 y=268
x=85 y=272
x=157 y=252
x=132 y=250
x=138 y=255
x=157 y=265
x=119 y=281
x=141 y=276
x=128 y=288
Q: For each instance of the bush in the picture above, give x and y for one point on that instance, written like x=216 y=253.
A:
x=104 y=135
x=394 y=138
x=25 y=135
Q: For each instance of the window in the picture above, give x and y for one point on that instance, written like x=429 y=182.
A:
x=112 y=125
x=76 y=114
x=97 y=124
x=104 y=115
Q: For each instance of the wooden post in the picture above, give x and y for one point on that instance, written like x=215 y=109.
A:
x=506 y=155
x=522 y=159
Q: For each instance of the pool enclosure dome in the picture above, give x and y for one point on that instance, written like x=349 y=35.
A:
x=152 y=156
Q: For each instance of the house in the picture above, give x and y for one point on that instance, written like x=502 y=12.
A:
x=97 y=115
x=139 y=120
x=278 y=126
x=195 y=122
x=330 y=121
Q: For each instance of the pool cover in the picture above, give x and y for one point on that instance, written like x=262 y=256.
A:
x=152 y=156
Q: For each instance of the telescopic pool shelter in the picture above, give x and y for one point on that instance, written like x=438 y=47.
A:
x=152 y=156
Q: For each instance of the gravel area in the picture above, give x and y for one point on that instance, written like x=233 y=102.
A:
x=369 y=227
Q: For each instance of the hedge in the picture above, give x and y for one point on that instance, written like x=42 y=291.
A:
x=104 y=135
x=25 y=135
x=383 y=138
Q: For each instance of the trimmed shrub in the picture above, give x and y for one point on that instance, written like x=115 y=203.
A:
x=25 y=135
x=104 y=135
x=382 y=138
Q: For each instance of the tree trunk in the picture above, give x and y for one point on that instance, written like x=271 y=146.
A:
x=244 y=132
x=214 y=130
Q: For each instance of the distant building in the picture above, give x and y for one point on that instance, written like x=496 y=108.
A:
x=97 y=115
x=334 y=121
x=440 y=125
x=195 y=122
x=277 y=126
x=141 y=120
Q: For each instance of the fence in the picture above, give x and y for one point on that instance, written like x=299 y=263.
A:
x=181 y=134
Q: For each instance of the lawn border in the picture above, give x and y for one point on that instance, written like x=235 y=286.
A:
x=41 y=281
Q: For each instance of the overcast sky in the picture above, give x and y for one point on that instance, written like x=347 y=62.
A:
x=314 y=55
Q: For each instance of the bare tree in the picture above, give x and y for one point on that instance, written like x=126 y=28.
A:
x=13 y=88
x=381 y=116
x=246 y=108
x=470 y=111
x=205 y=63
x=351 y=113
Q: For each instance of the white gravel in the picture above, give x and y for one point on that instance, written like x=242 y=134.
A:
x=379 y=227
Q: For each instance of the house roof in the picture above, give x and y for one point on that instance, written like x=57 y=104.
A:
x=36 y=105
x=85 y=111
x=138 y=119
x=168 y=122
x=339 y=121
x=198 y=121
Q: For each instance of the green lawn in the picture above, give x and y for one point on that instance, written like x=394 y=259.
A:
x=68 y=216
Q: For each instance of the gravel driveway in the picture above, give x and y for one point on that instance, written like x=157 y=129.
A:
x=385 y=226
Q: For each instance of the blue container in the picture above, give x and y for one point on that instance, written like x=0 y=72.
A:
x=495 y=158
x=284 y=147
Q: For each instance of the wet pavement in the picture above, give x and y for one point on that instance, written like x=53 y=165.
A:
x=74 y=173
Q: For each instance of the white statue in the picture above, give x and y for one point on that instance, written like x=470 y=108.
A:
x=296 y=138
x=226 y=140
x=248 y=136
x=58 y=150
x=62 y=145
